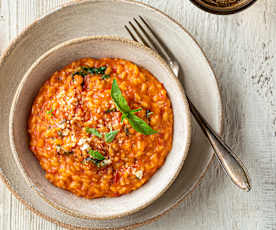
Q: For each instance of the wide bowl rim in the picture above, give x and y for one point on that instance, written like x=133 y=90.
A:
x=24 y=80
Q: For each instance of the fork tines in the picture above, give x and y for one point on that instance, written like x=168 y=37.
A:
x=147 y=36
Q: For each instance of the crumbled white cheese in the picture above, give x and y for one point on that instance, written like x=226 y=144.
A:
x=65 y=132
x=49 y=148
x=62 y=124
x=71 y=101
x=61 y=94
x=73 y=139
x=107 y=161
x=84 y=140
x=61 y=101
x=58 y=148
x=120 y=141
x=128 y=169
x=84 y=147
x=77 y=118
x=81 y=141
x=138 y=174
x=89 y=122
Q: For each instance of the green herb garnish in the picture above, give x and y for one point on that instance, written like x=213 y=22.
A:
x=137 y=123
x=96 y=155
x=94 y=161
x=90 y=70
x=118 y=98
x=50 y=112
x=140 y=125
x=98 y=163
x=80 y=73
x=124 y=116
x=93 y=131
x=136 y=110
x=109 y=137
x=105 y=76
x=100 y=70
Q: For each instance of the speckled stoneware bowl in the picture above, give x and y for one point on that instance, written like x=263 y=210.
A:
x=98 y=47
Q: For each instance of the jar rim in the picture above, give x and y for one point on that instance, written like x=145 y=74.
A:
x=208 y=7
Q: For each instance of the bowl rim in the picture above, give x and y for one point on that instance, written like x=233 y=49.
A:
x=65 y=44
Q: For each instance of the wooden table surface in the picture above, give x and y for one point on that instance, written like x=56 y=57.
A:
x=242 y=49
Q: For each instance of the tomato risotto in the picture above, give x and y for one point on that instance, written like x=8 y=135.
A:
x=101 y=128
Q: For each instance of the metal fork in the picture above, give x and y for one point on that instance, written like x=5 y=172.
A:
x=229 y=161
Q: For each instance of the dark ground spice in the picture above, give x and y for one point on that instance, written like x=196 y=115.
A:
x=223 y=3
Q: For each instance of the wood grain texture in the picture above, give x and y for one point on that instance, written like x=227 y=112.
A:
x=241 y=49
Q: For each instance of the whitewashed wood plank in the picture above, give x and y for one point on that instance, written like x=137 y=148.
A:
x=5 y=195
x=4 y=38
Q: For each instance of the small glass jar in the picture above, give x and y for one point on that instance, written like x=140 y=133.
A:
x=223 y=6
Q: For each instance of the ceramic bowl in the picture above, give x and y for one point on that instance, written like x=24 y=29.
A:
x=98 y=47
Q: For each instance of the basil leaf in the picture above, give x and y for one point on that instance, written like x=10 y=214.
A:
x=96 y=155
x=140 y=125
x=137 y=123
x=136 y=110
x=124 y=116
x=93 y=132
x=50 y=112
x=109 y=137
x=118 y=98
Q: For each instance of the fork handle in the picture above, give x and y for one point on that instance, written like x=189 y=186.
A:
x=229 y=161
